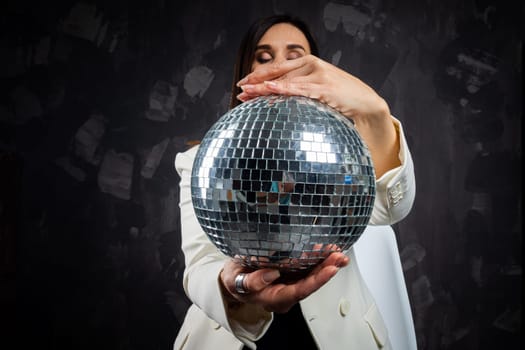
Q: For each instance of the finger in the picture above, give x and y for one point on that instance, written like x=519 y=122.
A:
x=329 y=249
x=256 y=281
x=230 y=271
x=300 y=87
x=243 y=96
x=337 y=259
x=274 y=71
x=281 y=297
x=294 y=87
x=254 y=90
x=323 y=272
x=284 y=296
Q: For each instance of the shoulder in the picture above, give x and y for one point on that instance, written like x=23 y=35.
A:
x=184 y=160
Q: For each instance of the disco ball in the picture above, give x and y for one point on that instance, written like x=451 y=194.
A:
x=282 y=181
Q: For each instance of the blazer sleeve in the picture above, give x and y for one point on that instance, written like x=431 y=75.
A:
x=396 y=189
x=204 y=263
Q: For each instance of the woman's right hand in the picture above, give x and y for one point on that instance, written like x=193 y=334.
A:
x=278 y=297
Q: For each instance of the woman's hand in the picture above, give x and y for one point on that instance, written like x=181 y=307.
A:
x=278 y=297
x=312 y=77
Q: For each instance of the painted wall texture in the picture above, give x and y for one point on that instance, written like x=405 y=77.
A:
x=97 y=97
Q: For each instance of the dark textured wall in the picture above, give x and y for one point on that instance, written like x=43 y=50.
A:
x=97 y=97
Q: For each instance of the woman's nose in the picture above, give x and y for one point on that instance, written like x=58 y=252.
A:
x=279 y=59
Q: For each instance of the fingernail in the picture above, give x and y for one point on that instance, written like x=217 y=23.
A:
x=341 y=262
x=247 y=88
x=270 y=276
x=242 y=81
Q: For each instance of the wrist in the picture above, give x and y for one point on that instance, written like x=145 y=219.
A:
x=228 y=298
x=379 y=113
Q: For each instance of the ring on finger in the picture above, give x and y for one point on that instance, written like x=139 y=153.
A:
x=239 y=284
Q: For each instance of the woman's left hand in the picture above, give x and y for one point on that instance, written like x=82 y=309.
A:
x=312 y=77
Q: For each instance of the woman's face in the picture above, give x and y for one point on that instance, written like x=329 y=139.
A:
x=281 y=42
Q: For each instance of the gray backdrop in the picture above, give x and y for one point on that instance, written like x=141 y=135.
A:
x=97 y=97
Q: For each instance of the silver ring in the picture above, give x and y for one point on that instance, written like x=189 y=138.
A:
x=239 y=284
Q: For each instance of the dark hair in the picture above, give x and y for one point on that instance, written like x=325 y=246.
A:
x=246 y=53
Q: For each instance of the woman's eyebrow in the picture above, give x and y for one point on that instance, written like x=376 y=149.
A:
x=289 y=47
x=295 y=46
x=263 y=47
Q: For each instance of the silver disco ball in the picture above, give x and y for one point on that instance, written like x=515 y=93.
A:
x=282 y=181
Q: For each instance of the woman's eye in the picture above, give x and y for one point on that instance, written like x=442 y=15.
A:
x=264 y=57
x=293 y=55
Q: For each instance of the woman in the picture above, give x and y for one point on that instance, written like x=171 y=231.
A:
x=330 y=308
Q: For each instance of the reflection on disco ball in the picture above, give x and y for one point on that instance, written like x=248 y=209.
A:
x=282 y=181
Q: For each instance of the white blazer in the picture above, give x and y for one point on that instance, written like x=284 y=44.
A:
x=341 y=315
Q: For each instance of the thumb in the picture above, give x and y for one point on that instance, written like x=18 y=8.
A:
x=260 y=279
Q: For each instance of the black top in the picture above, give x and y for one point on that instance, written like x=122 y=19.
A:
x=287 y=331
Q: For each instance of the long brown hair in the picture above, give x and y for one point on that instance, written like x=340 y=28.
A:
x=246 y=53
